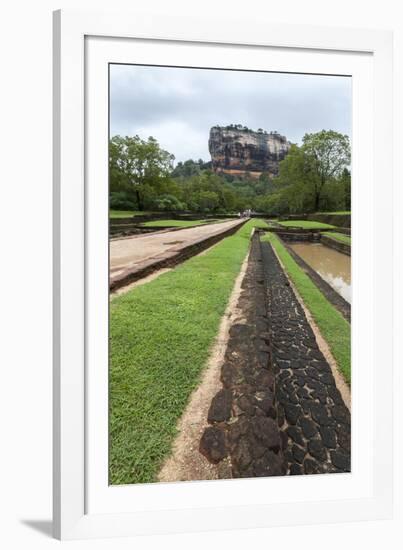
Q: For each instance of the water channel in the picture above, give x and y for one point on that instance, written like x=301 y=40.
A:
x=334 y=267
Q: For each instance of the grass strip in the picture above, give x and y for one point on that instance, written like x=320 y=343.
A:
x=338 y=237
x=334 y=328
x=127 y=213
x=306 y=224
x=338 y=213
x=161 y=334
x=176 y=223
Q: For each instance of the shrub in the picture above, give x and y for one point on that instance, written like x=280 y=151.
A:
x=121 y=200
x=168 y=203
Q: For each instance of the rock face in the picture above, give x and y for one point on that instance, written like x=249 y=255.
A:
x=240 y=151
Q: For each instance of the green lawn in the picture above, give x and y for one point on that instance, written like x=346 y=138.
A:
x=127 y=213
x=338 y=237
x=176 y=223
x=161 y=334
x=339 y=212
x=334 y=328
x=306 y=224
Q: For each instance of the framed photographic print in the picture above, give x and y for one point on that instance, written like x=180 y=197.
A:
x=223 y=302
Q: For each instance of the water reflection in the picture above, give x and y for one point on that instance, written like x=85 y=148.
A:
x=334 y=267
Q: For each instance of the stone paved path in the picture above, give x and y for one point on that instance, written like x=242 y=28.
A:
x=242 y=415
x=310 y=409
x=135 y=257
x=279 y=411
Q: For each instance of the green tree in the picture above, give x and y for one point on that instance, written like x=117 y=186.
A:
x=208 y=201
x=295 y=180
x=307 y=171
x=264 y=185
x=168 y=203
x=120 y=200
x=329 y=154
x=346 y=183
x=135 y=164
x=274 y=204
x=189 y=168
x=228 y=199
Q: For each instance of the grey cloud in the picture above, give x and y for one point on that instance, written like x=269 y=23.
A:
x=178 y=106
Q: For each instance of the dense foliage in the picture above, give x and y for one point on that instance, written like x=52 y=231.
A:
x=138 y=170
x=313 y=177
x=242 y=128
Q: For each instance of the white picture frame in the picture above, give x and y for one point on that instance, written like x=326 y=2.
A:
x=84 y=506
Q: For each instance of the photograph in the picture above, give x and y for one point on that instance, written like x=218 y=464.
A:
x=229 y=274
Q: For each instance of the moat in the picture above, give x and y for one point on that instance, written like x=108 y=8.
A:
x=333 y=266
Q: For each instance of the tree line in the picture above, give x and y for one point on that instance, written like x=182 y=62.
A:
x=314 y=176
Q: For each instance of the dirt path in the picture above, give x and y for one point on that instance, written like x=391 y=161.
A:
x=150 y=277
x=131 y=252
x=186 y=462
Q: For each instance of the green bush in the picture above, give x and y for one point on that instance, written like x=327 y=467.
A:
x=121 y=200
x=168 y=203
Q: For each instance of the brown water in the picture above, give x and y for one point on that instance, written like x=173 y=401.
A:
x=334 y=267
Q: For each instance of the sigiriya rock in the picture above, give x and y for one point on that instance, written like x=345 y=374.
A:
x=239 y=151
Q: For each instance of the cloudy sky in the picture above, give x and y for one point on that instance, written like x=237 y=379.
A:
x=179 y=106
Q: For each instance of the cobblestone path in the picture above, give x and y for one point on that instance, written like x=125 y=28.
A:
x=243 y=416
x=310 y=409
x=279 y=411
